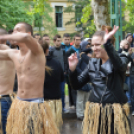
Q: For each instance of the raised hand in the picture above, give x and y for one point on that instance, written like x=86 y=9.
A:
x=109 y=35
x=73 y=61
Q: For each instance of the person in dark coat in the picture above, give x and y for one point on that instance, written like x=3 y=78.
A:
x=53 y=77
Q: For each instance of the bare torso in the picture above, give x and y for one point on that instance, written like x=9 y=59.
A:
x=7 y=76
x=30 y=73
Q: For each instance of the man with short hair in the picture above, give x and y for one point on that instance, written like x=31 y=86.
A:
x=47 y=39
x=59 y=54
x=29 y=113
x=37 y=36
x=7 y=76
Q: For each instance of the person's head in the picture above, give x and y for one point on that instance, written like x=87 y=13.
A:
x=129 y=38
x=3 y=32
x=66 y=39
x=57 y=41
x=37 y=36
x=124 y=44
x=97 y=44
x=46 y=38
x=23 y=27
x=109 y=29
x=77 y=40
x=44 y=45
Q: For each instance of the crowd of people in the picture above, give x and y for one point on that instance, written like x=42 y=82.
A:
x=100 y=81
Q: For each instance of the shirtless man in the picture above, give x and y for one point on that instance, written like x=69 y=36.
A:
x=7 y=76
x=29 y=112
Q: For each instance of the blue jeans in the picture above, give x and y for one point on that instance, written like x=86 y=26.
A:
x=128 y=93
x=5 y=105
x=62 y=86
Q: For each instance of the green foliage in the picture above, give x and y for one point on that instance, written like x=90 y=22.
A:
x=83 y=16
x=44 y=19
x=128 y=10
x=12 y=12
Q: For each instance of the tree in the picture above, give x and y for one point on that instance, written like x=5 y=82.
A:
x=100 y=10
x=12 y=12
x=128 y=11
x=82 y=26
x=42 y=19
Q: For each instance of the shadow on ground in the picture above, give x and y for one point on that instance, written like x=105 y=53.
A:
x=73 y=126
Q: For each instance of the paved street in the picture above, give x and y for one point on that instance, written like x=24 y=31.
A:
x=72 y=126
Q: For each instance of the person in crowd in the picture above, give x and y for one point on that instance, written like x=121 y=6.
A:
x=7 y=76
x=65 y=46
x=52 y=92
x=28 y=113
x=59 y=54
x=124 y=48
x=47 y=39
x=107 y=110
x=83 y=93
x=74 y=48
x=129 y=38
x=37 y=36
x=132 y=80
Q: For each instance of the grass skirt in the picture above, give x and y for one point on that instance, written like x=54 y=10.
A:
x=56 y=108
x=100 y=119
x=30 y=118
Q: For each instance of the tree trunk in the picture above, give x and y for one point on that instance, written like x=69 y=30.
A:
x=101 y=13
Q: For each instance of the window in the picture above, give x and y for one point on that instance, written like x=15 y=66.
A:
x=78 y=15
x=59 y=16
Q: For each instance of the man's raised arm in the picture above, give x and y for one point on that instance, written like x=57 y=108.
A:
x=26 y=38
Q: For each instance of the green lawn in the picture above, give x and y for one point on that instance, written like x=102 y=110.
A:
x=66 y=89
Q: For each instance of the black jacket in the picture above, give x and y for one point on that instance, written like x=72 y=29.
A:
x=107 y=79
x=52 y=82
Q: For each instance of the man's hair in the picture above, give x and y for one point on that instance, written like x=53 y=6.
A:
x=67 y=35
x=56 y=36
x=37 y=34
x=77 y=35
x=10 y=31
x=3 y=31
x=28 y=27
x=45 y=35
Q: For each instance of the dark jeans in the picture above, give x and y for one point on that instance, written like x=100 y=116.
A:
x=128 y=93
x=62 y=87
x=72 y=92
x=132 y=91
x=5 y=105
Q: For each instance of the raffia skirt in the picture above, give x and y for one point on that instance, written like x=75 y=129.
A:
x=56 y=108
x=108 y=119
x=30 y=118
